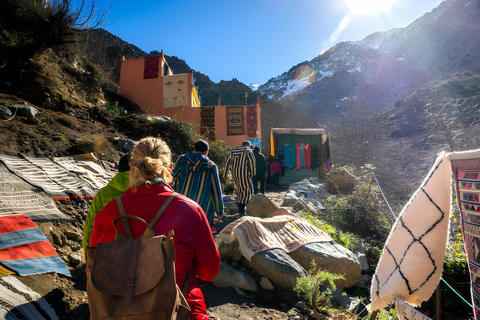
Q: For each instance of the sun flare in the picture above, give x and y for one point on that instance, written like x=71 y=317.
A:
x=369 y=6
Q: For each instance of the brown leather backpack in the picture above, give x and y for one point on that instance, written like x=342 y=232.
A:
x=135 y=278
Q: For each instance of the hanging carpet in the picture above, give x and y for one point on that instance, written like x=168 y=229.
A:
x=19 y=197
x=412 y=260
x=18 y=302
x=42 y=172
x=25 y=249
x=283 y=232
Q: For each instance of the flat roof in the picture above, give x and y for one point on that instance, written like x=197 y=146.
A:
x=298 y=131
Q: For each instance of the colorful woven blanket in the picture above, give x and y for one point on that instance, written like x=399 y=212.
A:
x=19 y=197
x=25 y=249
x=466 y=172
x=412 y=260
x=42 y=172
x=18 y=302
x=283 y=232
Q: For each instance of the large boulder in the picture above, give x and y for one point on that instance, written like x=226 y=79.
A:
x=229 y=277
x=331 y=257
x=22 y=109
x=229 y=250
x=278 y=267
x=260 y=206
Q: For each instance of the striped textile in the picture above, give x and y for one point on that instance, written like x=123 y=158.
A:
x=411 y=264
x=19 y=197
x=5 y=272
x=42 y=172
x=466 y=172
x=406 y=312
x=241 y=164
x=25 y=249
x=87 y=170
x=196 y=177
x=19 y=302
x=284 y=232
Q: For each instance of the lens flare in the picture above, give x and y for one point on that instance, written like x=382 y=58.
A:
x=369 y=6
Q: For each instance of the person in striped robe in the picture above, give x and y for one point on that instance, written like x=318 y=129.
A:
x=241 y=164
x=196 y=176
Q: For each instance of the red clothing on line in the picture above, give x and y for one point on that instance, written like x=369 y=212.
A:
x=194 y=245
x=308 y=159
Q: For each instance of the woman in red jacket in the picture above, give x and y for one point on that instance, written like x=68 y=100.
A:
x=195 y=248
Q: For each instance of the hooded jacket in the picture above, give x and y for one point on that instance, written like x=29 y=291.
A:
x=196 y=176
x=114 y=189
x=195 y=248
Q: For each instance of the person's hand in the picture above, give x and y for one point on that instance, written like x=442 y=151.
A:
x=219 y=217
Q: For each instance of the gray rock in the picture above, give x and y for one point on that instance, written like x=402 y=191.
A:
x=239 y=291
x=228 y=203
x=281 y=212
x=290 y=199
x=260 y=206
x=127 y=144
x=5 y=113
x=229 y=277
x=72 y=235
x=59 y=238
x=230 y=250
x=361 y=254
x=298 y=206
x=75 y=246
x=74 y=259
x=278 y=267
x=266 y=284
x=24 y=110
x=331 y=257
x=364 y=281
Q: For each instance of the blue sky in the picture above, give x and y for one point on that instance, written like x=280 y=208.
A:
x=253 y=40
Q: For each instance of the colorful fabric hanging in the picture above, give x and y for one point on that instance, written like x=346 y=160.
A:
x=308 y=159
x=302 y=154
x=298 y=156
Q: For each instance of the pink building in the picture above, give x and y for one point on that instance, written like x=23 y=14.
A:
x=150 y=83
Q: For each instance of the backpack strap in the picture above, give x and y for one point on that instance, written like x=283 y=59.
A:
x=162 y=209
x=126 y=225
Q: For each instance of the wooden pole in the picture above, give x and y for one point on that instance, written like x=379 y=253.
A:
x=438 y=302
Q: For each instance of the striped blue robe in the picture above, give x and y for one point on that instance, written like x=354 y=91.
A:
x=196 y=176
x=241 y=163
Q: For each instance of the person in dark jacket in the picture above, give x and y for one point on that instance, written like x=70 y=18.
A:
x=196 y=176
x=261 y=171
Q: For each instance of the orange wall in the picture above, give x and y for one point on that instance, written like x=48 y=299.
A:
x=149 y=94
x=221 y=127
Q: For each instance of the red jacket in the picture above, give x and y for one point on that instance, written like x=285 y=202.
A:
x=193 y=241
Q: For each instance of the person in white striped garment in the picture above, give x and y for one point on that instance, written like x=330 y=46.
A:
x=241 y=164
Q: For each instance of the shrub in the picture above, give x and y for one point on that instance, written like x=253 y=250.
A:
x=4 y=103
x=316 y=288
x=60 y=138
x=363 y=212
x=339 y=181
x=115 y=109
x=218 y=153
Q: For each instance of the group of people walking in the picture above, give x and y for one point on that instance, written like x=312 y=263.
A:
x=145 y=181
